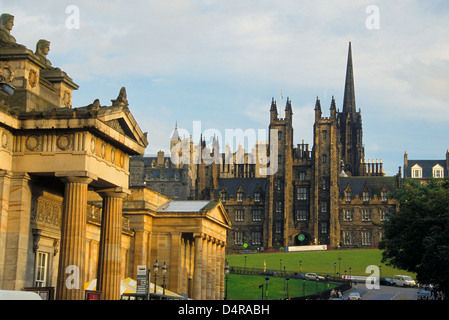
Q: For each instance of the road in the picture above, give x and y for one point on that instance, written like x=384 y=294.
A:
x=386 y=293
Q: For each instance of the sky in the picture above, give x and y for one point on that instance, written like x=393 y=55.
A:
x=219 y=63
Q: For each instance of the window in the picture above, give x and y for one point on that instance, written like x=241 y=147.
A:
x=384 y=196
x=366 y=215
x=239 y=215
x=302 y=176
x=176 y=192
x=324 y=134
x=348 y=238
x=257 y=215
x=416 y=171
x=348 y=215
x=278 y=227
x=383 y=214
x=256 y=197
x=365 y=196
x=438 y=171
x=323 y=227
x=366 y=238
x=223 y=197
x=325 y=183
x=279 y=206
x=279 y=184
x=256 y=237
x=176 y=176
x=301 y=193
x=301 y=214
x=348 y=196
x=239 y=196
x=41 y=269
x=238 y=237
x=324 y=158
x=323 y=206
x=162 y=190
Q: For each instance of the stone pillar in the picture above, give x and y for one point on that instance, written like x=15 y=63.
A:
x=108 y=272
x=175 y=268
x=209 y=270
x=72 y=258
x=198 y=268
x=5 y=184
x=213 y=274
x=18 y=272
x=205 y=269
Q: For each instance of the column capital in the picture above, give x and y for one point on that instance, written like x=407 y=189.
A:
x=117 y=192
x=76 y=177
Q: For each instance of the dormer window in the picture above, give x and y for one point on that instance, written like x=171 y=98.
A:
x=223 y=196
x=239 y=196
x=416 y=171
x=256 y=196
x=438 y=171
x=365 y=196
x=348 y=196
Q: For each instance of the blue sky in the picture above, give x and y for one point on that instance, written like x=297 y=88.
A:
x=221 y=61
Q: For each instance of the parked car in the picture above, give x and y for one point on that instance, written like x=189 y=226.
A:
x=313 y=276
x=19 y=295
x=424 y=294
x=403 y=281
x=298 y=276
x=386 y=282
x=354 y=296
x=269 y=273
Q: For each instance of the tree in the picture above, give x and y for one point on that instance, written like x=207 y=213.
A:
x=416 y=236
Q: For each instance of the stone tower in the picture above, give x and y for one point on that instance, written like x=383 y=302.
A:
x=326 y=160
x=280 y=206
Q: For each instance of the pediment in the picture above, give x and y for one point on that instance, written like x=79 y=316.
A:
x=218 y=214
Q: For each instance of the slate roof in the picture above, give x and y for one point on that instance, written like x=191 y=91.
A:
x=186 y=206
x=249 y=185
x=426 y=166
x=374 y=184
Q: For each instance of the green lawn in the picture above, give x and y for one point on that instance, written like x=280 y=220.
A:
x=246 y=287
x=321 y=262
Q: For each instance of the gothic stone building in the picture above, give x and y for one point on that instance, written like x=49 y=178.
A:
x=325 y=195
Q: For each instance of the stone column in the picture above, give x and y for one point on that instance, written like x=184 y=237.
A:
x=213 y=274
x=18 y=271
x=108 y=272
x=205 y=269
x=5 y=186
x=198 y=268
x=72 y=258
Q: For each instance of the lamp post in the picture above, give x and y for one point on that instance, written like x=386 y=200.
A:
x=155 y=270
x=148 y=283
x=286 y=279
x=226 y=271
x=164 y=274
x=335 y=267
x=266 y=288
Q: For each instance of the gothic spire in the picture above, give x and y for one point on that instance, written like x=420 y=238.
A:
x=349 y=96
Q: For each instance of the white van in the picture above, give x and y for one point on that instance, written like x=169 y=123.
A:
x=18 y=295
x=403 y=281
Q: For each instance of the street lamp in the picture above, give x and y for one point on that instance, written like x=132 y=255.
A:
x=155 y=270
x=266 y=288
x=286 y=279
x=164 y=274
x=226 y=271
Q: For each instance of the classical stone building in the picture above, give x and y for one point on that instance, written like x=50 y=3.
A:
x=67 y=213
x=301 y=202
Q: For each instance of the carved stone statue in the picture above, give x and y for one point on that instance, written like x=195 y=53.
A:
x=121 y=99
x=6 y=24
x=42 y=50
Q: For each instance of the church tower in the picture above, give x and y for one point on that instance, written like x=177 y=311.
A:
x=350 y=124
